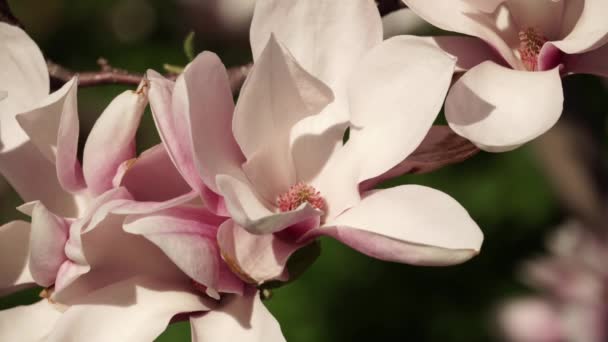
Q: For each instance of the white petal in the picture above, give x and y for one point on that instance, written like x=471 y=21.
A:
x=14 y=253
x=29 y=323
x=499 y=109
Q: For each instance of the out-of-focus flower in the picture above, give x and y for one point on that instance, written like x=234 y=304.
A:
x=573 y=285
x=98 y=278
x=280 y=161
x=512 y=92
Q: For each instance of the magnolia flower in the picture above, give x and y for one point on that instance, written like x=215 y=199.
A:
x=573 y=285
x=279 y=161
x=99 y=278
x=512 y=92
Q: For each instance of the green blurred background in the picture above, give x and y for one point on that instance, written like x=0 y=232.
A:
x=345 y=296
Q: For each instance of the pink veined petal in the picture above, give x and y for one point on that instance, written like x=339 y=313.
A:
x=48 y=236
x=247 y=210
x=328 y=37
x=530 y=320
x=409 y=224
x=16 y=324
x=187 y=235
x=112 y=139
x=591 y=28
x=464 y=16
x=277 y=94
x=53 y=127
x=240 y=318
x=210 y=108
x=541 y=15
x=14 y=255
x=395 y=96
x=500 y=109
x=170 y=107
x=440 y=147
x=255 y=258
x=24 y=80
x=152 y=176
x=136 y=309
x=591 y=62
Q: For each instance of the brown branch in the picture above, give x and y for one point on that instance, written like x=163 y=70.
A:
x=111 y=75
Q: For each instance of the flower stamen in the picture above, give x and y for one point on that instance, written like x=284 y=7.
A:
x=531 y=42
x=298 y=194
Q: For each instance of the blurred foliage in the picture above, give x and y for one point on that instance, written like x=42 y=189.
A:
x=344 y=296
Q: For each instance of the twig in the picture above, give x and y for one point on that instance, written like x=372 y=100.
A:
x=111 y=75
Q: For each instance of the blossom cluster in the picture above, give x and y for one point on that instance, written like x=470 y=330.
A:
x=197 y=226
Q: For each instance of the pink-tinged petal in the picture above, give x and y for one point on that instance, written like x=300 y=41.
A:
x=210 y=114
x=485 y=5
x=592 y=62
x=248 y=211
x=187 y=235
x=240 y=318
x=137 y=309
x=541 y=15
x=53 y=127
x=14 y=249
x=48 y=236
x=468 y=51
x=464 y=16
x=255 y=258
x=152 y=176
x=170 y=107
x=590 y=30
x=440 y=147
x=328 y=37
x=500 y=109
x=24 y=80
x=530 y=320
x=112 y=139
x=394 y=98
x=409 y=224
x=28 y=323
x=277 y=94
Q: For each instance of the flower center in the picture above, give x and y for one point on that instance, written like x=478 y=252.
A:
x=298 y=194
x=530 y=43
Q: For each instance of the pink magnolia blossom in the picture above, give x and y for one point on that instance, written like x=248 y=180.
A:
x=512 y=92
x=102 y=284
x=278 y=157
x=572 y=304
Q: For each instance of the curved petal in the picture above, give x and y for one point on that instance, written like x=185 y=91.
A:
x=499 y=109
x=541 y=15
x=466 y=16
x=210 y=114
x=16 y=323
x=152 y=176
x=48 y=236
x=137 y=309
x=53 y=128
x=187 y=236
x=530 y=320
x=277 y=94
x=590 y=30
x=241 y=318
x=395 y=96
x=112 y=139
x=170 y=107
x=24 y=80
x=591 y=62
x=328 y=37
x=255 y=258
x=247 y=210
x=14 y=249
x=408 y=224
x=440 y=147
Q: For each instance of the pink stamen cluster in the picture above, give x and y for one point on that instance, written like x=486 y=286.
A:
x=531 y=41
x=298 y=194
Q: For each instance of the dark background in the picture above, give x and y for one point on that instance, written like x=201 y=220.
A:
x=345 y=296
